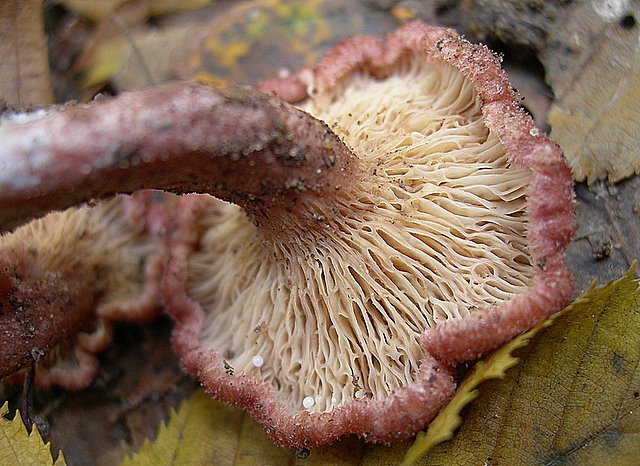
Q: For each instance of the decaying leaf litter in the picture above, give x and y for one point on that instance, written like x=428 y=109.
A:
x=614 y=203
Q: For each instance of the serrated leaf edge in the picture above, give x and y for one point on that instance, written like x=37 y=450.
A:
x=4 y=410
x=442 y=428
x=147 y=444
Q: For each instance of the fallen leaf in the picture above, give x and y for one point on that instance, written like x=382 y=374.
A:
x=111 y=40
x=402 y=13
x=125 y=47
x=143 y=58
x=98 y=10
x=199 y=432
x=443 y=427
x=104 y=62
x=24 y=68
x=575 y=397
x=206 y=432
x=18 y=447
x=243 y=42
x=255 y=40
x=95 y=10
x=593 y=66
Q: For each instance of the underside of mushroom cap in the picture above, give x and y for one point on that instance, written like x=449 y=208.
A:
x=462 y=209
x=87 y=267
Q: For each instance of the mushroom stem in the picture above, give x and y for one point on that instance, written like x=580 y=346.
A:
x=234 y=143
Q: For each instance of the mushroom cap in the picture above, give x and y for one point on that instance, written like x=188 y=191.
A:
x=69 y=275
x=349 y=318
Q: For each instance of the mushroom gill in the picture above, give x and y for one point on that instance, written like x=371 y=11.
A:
x=437 y=226
x=63 y=273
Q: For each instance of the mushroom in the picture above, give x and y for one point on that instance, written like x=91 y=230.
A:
x=338 y=293
x=67 y=276
x=346 y=313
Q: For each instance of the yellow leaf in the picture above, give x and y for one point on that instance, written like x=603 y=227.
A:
x=442 y=428
x=200 y=432
x=105 y=62
x=575 y=397
x=402 y=13
x=17 y=447
x=99 y=10
x=205 y=432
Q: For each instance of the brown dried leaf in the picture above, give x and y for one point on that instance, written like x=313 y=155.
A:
x=593 y=66
x=124 y=48
x=24 y=67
